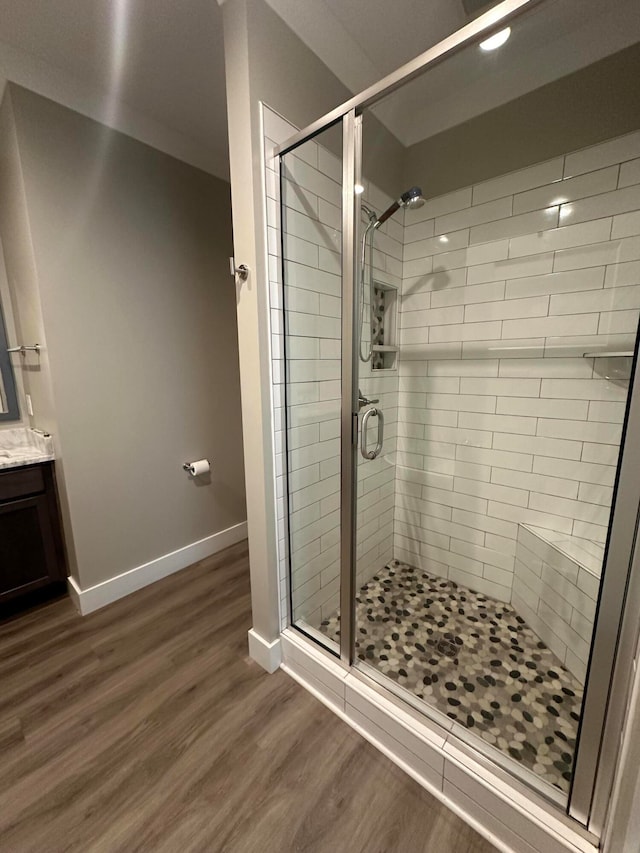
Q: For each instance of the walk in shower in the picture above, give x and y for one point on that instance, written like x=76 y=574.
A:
x=459 y=504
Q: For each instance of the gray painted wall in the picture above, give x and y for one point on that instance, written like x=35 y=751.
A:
x=130 y=249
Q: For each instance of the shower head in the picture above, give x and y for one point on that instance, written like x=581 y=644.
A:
x=410 y=199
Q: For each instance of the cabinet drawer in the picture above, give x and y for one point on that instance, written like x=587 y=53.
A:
x=16 y=483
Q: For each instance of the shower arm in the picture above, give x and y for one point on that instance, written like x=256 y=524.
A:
x=388 y=213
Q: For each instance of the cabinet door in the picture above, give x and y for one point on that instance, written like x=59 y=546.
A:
x=27 y=548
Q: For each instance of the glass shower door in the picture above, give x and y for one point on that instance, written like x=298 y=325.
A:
x=311 y=300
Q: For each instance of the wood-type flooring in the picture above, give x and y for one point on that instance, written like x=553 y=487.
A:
x=146 y=727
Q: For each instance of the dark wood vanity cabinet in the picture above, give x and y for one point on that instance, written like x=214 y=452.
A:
x=31 y=551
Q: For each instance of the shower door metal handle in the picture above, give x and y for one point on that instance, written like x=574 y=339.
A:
x=371 y=454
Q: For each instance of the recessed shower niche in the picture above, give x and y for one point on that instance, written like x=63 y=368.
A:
x=384 y=349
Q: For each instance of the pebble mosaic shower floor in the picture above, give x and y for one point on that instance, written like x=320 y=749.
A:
x=475 y=659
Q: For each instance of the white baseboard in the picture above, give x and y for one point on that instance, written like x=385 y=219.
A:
x=268 y=655
x=95 y=597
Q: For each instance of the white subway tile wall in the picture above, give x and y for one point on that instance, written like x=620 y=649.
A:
x=555 y=588
x=501 y=420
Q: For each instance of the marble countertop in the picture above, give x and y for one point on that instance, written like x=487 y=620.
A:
x=24 y=446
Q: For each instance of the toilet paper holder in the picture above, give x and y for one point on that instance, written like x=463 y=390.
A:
x=192 y=467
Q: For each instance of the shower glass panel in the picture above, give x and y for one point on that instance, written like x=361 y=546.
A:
x=311 y=211
x=496 y=330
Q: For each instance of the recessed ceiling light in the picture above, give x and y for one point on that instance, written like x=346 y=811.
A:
x=496 y=40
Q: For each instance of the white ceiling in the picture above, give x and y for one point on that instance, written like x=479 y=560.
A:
x=363 y=40
x=155 y=68
x=160 y=59
x=393 y=33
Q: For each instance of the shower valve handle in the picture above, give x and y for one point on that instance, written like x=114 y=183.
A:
x=363 y=401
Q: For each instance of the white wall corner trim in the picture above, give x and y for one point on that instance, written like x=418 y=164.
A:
x=95 y=597
x=74 y=592
x=268 y=655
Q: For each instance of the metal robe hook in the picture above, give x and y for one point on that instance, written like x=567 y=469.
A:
x=241 y=272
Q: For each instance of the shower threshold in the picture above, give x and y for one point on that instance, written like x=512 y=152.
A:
x=474 y=659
